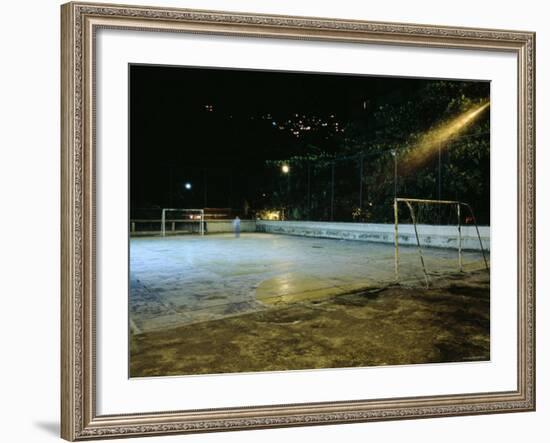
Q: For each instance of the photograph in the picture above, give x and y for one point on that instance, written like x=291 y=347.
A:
x=285 y=220
x=279 y=217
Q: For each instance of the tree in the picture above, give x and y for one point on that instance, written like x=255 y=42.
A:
x=455 y=167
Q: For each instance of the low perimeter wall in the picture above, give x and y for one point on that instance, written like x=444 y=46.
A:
x=215 y=226
x=432 y=236
x=179 y=228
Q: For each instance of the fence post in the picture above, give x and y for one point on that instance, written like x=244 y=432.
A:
x=439 y=182
x=205 y=180
x=396 y=238
x=309 y=189
x=459 y=238
x=332 y=194
x=360 y=182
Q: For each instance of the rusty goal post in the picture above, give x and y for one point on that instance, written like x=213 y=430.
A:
x=411 y=203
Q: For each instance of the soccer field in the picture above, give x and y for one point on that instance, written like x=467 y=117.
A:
x=176 y=281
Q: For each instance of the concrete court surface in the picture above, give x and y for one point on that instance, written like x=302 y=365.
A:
x=181 y=280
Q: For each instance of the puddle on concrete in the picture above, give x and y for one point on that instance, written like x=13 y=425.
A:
x=296 y=287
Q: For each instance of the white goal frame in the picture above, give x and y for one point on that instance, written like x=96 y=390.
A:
x=409 y=202
x=185 y=210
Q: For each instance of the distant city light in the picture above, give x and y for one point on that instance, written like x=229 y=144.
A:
x=298 y=124
x=285 y=169
x=187 y=185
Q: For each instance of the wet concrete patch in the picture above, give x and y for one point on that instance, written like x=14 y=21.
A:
x=294 y=287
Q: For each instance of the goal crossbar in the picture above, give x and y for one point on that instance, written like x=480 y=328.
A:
x=200 y=212
x=409 y=202
x=421 y=200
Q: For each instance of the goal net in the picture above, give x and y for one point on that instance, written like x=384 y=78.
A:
x=424 y=226
x=182 y=221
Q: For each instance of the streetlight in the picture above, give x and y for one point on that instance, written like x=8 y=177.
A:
x=286 y=170
x=394 y=154
x=187 y=185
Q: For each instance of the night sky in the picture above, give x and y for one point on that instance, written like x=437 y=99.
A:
x=214 y=128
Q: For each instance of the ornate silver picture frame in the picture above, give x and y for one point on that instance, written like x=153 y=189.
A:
x=80 y=23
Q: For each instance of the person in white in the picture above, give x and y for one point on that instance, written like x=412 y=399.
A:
x=237 y=227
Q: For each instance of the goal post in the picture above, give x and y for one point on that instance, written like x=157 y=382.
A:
x=455 y=206
x=190 y=216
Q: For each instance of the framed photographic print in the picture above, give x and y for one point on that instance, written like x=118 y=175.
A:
x=282 y=221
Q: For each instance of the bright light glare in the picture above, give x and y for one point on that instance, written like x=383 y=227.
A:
x=285 y=169
x=187 y=185
x=433 y=140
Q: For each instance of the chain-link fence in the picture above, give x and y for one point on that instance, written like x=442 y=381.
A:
x=362 y=187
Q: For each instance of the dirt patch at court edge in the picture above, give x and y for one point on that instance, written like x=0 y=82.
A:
x=448 y=322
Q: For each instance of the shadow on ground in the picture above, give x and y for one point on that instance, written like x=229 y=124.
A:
x=49 y=427
x=448 y=322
